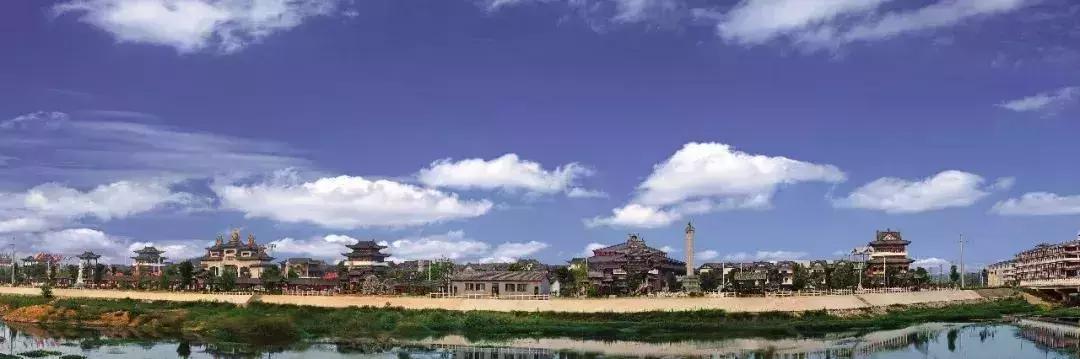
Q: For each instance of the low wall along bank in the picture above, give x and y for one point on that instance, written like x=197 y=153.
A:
x=758 y=304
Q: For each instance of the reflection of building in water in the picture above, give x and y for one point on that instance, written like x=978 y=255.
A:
x=471 y=352
x=1051 y=335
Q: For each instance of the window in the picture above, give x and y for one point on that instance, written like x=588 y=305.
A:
x=509 y=287
x=246 y=254
x=521 y=287
x=215 y=254
x=479 y=286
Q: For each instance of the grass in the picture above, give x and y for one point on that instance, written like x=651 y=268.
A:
x=40 y=353
x=268 y=324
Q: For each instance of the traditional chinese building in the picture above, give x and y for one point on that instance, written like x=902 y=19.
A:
x=633 y=267
x=306 y=267
x=88 y=262
x=148 y=261
x=889 y=253
x=245 y=259
x=365 y=254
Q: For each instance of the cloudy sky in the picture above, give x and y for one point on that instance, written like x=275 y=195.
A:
x=489 y=130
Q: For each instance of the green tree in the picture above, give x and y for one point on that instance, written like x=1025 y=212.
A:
x=163 y=280
x=187 y=274
x=271 y=278
x=99 y=273
x=954 y=274
x=227 y=282
x=71 y=272
x=921 y=277
x=293 y=274
x=799 y=277
x=710 y=280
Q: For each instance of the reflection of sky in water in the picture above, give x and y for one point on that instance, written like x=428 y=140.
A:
x=1029 y=340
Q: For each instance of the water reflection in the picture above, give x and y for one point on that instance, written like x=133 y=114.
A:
x=1023 y=339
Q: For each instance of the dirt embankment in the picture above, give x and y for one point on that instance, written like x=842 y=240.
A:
x=46 y=313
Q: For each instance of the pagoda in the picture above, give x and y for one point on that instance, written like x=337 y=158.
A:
x=365 y=254
x=148 y=261
x=889 y=254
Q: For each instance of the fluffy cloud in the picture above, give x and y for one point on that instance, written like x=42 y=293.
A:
x=704 y=177
x=829 y=24
x=895 y=195
x=347 y=202
x=1038 y=204
x=508 y=172
x=1048 y=103
x=193 y=25
x=764 y=256
x=50 y=205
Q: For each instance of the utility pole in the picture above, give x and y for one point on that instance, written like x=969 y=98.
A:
x=962 y=261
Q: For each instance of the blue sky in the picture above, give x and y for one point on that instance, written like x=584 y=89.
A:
x=490 y=130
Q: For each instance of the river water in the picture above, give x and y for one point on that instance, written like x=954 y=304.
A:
x=1023 y=339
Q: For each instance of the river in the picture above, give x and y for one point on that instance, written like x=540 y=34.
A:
x=1022 y=339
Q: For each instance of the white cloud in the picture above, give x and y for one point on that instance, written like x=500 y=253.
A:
x=510 y=252
x=71 y=242
x=705 y=177
x=194 y=25
x=87 y=153
x=328 y=247
x=49 y=205
x=174 y=251
x=347 y=202
x=1038 y=204
x=928 y=263
x=1048 y=103
x=451 y=245
x=41 y=120
x=600 y=14
x=764 y=256
x=635 y=215
x=706 y=255
x=456 y=246
x=578 y=192
x=833 y=23
x=589 y=248
x=895 y=195
x=508 y=172
x=758 y=21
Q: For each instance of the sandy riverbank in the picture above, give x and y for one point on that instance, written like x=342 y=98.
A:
x=783 y=304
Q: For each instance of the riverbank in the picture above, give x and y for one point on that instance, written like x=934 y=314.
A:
x=571 y=305
x=268 y=324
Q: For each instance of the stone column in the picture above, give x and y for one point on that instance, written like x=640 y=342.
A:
x=689 y=249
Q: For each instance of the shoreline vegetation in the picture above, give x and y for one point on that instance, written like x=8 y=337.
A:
x=260 y=324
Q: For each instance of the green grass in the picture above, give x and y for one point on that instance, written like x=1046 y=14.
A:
x=267 y=324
